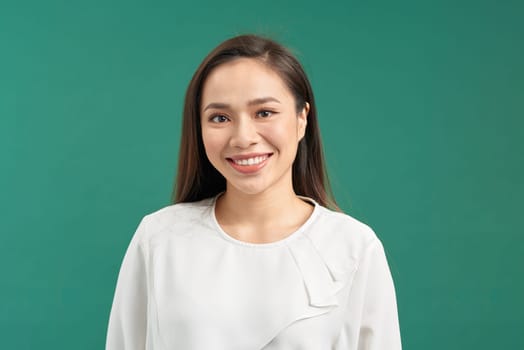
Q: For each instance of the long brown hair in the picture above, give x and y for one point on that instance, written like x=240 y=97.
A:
x=197 y=178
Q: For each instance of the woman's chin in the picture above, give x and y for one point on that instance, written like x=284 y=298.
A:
x=247 y=189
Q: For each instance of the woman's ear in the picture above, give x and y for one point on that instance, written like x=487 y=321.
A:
x=302 y=121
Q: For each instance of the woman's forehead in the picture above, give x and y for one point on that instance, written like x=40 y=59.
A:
x=243 y=79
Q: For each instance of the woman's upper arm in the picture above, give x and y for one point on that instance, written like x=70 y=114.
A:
x=372 y=318
x=127 y=327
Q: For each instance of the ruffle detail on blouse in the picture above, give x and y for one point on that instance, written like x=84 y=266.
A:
x=322 y=282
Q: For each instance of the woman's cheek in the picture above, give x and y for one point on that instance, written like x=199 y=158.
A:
x=213 y=143
x=282 y=134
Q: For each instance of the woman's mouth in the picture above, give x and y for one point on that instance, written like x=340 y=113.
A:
x=248 y=164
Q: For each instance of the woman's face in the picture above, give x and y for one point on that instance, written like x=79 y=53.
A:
x=250 y=126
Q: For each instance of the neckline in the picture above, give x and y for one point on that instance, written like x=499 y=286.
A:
x=293 y=235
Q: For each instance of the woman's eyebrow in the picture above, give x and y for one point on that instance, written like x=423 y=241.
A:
x=216 y=105
x=256 y=101
x=262 y=100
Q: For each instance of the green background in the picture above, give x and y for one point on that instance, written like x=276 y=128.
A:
x=421 y=105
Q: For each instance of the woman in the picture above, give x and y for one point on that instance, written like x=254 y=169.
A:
x=250 y=257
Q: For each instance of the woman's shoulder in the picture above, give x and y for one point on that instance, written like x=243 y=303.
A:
x=340 y=233
x=175 y=219
x=184 y=209
x=344 y=224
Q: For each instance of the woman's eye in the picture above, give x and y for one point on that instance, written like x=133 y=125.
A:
x=218 y=118
x=264 y=114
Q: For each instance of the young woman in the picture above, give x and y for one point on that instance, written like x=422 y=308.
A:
x=249 y=256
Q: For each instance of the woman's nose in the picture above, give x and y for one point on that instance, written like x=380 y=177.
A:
x=244 y=133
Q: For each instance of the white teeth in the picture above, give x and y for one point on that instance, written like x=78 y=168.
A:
x=251 y=161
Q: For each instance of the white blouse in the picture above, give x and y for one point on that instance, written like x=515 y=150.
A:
x=186 y=284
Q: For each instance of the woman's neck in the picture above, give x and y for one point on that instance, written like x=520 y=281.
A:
x=262 y=217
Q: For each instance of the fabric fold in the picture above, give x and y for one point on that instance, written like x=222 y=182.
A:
x=320 y=283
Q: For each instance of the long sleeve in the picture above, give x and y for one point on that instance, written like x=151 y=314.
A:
x=372 y=319
x=127 y=328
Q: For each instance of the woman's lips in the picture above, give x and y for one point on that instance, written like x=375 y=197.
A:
x=249 y=163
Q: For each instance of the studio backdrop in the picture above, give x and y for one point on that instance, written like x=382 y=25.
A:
x=421 y=109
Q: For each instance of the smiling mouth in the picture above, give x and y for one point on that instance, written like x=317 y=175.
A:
x=249 y=164
x=250 y=161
